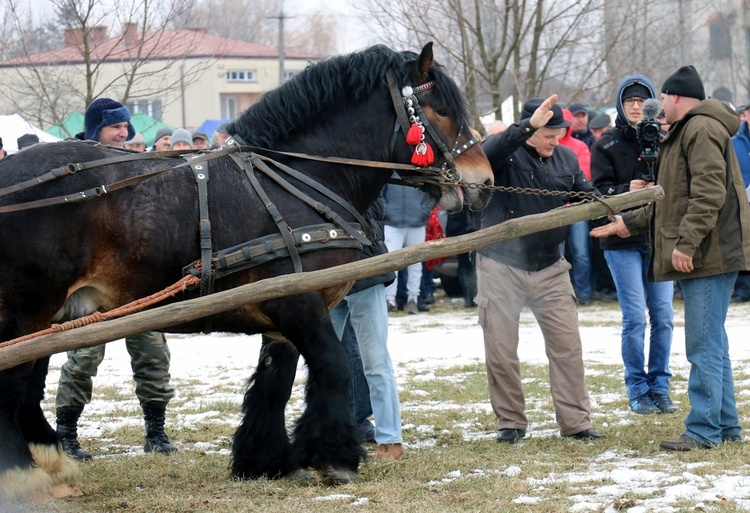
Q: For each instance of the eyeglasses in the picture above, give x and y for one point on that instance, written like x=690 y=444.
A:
x=631 y=101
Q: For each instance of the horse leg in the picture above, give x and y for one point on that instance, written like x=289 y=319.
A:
x=20 y=479
x=43 y=443
x=261 y=445
x=325 y=436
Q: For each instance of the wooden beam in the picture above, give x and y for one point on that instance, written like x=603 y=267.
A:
x=184 y=311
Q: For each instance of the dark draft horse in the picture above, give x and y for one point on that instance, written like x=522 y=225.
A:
x=105 y=252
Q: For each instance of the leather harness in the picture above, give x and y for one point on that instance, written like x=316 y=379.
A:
x=288 y=242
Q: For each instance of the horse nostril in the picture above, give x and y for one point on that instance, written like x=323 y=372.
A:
x=488 y=182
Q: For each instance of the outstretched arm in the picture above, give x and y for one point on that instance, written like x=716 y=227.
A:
x=616 y=227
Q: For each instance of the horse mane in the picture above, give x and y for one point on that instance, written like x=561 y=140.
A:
x=324 y=85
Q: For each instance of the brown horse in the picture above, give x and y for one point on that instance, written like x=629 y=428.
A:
x=83 y=256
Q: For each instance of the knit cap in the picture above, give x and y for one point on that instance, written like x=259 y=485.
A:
x=685 y=82
x=182 y=135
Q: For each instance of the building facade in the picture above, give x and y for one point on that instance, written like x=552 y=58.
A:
x=179 y=77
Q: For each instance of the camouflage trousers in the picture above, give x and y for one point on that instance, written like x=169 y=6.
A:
x=149 y=359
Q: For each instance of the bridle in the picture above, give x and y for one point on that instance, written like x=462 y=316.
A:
x=409 y=112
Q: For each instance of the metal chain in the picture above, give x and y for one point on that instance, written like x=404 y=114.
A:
x=441 y=179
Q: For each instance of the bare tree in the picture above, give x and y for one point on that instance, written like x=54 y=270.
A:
x=221 y=17
x=500 y=49
x=90 y=62
x=309 y=33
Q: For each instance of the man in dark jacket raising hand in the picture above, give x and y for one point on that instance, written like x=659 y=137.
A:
x=529 y=271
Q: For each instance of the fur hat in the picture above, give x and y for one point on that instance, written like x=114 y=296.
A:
x=182 y=135
x=105 y=112
x=27 y=140
x=556 y=121
x=685 y=82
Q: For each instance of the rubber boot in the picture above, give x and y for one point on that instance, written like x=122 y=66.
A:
x=67 y=432
x=156 y=438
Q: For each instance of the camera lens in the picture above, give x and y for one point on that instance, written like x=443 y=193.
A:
x=650 y=132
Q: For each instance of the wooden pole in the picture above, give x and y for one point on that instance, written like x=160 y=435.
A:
x=184 y=311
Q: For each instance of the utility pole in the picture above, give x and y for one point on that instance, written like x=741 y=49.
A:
x=281 y=17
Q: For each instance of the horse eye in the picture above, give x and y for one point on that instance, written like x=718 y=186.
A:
x=443 y=113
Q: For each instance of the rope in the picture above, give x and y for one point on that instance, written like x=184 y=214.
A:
x=132 y=307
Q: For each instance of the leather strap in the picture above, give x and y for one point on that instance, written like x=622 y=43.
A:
x=200 y=171
x=281 y=224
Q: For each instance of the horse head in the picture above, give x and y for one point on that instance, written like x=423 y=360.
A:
x=344 y=106
x=440 y=133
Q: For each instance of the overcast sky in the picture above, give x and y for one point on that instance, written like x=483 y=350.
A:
x=354 y=34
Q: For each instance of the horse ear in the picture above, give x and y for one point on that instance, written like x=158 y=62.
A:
x=425 y=61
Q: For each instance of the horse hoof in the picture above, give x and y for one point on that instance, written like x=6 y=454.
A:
x=302 y=475
x=340 y=475
x=65 y=490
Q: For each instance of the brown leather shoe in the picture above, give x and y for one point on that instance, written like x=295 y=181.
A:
x=389 y=452
x=682 y=444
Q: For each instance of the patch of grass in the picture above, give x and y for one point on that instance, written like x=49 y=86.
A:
x=452 y=462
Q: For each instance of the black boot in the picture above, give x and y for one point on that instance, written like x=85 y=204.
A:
x=156 y=438
x=67 y=432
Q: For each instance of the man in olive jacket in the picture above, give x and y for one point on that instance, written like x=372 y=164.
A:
x=700 y=236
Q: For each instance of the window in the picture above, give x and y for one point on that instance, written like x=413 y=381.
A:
x=720 y=37
x=149 y=107
x=289 y=74
x=247 y=75
x=228 y=107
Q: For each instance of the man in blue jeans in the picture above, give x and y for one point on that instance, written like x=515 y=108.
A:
x=700 y=236
x=366 y=309
x=616 y=167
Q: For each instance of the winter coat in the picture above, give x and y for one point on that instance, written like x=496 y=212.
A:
x=579 y=147
x=741 y=142
x=374 y=216
x=516 y=164
x=615 y=161
x=406 y=207
x=705 y=213
x=585 y=136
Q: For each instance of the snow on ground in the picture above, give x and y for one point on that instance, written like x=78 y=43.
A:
x=215 y=368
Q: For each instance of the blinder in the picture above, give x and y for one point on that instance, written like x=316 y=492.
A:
x=409 y=111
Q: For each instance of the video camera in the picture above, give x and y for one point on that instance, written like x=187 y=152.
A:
x=648 y=132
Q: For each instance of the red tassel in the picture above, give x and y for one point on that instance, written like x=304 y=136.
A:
x=414 y=135
x=423 y=155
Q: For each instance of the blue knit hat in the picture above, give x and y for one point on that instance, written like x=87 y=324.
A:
x=104 y=112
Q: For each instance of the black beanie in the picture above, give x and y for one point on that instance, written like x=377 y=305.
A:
x=685 y=82
x=636 y=90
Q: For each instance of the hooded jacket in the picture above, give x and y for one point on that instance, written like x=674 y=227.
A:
x=705 y=213
x=615 y=161
x=579 y=147
x=516 y=164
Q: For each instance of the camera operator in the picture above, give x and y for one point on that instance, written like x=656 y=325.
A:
x=623 y=160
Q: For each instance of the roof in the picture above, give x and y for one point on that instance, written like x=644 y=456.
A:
x=166 y=44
